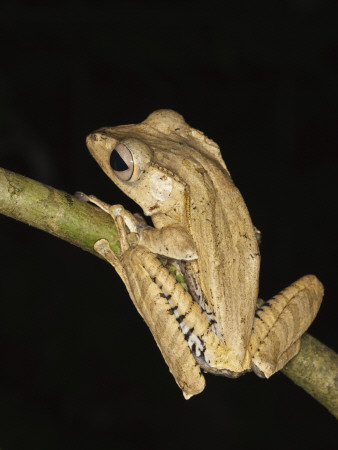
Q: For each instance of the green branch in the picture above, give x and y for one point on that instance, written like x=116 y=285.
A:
x=56 y=212
x=315 y=368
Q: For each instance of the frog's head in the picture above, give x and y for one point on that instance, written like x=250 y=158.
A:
x=129 y=163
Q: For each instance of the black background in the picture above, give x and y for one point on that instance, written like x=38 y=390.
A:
x=79 y=369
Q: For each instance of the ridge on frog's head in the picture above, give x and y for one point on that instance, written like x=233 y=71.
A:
x=166 y=121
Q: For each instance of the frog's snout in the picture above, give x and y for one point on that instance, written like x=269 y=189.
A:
x=90 y=139
x=93 y=140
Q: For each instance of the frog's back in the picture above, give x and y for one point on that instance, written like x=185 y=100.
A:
x=228 y=254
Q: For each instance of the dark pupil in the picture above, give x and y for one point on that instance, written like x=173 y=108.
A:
x=117 y=163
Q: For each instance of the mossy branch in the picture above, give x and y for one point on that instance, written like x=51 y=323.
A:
x=315 y=368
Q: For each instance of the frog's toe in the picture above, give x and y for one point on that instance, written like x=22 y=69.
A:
x=116 y=210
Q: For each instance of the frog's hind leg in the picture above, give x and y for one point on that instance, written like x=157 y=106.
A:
x=280 y=322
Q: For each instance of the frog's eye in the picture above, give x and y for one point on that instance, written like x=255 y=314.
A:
x=123 y=164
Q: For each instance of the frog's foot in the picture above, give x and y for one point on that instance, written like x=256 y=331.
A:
x=102 y=248
x=280 y=323
x=126 y=239
x=92 y=199
x=122 y=217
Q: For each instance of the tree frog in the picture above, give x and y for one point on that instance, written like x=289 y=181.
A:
x=178 y=177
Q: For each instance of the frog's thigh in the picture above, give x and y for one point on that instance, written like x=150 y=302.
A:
x=152 y=303
x=153 y=306
x=173 y=241
x=280 y=323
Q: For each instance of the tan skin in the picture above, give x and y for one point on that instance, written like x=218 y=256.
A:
x=178 y=177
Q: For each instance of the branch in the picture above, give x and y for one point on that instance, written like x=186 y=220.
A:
x=56 y=212
x=315 y=368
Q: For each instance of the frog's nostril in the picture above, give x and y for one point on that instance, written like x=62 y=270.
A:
x=93 y=137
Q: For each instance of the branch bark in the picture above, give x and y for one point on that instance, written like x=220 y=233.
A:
x=55 y=211
x=315 y=368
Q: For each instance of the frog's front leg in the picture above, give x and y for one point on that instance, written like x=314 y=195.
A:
x=280 y=322
x=172 y=241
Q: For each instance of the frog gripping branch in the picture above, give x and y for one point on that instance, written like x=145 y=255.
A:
x=174 y=173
